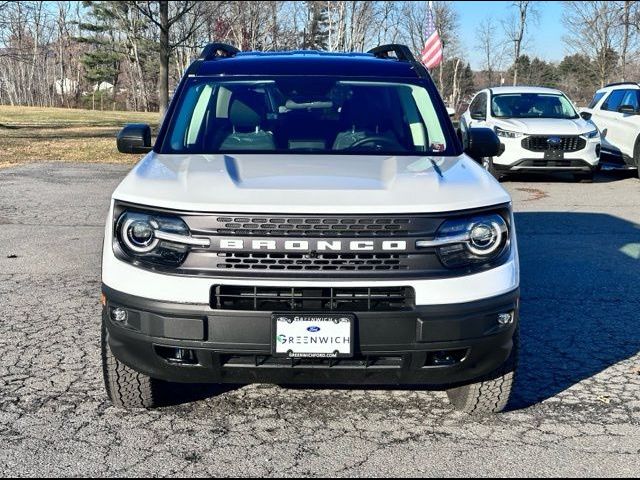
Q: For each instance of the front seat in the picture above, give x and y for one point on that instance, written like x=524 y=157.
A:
x=246 y=115
x=361 y=117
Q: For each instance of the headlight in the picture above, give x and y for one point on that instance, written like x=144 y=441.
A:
x=592 y=134
x=508 y=133
x=155 y=238
x=468 y=241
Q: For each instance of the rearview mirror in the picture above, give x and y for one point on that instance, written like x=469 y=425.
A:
x=628 y=109
x=134 y=138
x=481 y=142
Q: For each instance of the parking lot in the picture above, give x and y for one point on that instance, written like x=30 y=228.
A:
x=577 y=405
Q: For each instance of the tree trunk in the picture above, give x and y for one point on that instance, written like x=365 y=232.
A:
x=163 y=98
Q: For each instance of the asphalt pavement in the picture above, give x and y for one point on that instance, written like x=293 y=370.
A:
x=577 y=403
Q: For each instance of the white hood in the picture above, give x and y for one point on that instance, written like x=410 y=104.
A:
x=310 y=184
x=546 y=126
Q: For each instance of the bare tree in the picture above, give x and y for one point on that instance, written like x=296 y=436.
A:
x=594 y=29
x=159 y=13
x=629 y=17
x=515 y=29
x=489 y=46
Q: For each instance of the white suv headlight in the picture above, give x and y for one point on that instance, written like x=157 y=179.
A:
x=508 y=133
x=592 y=134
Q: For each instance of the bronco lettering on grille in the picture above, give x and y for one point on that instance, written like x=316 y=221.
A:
x=312 y=245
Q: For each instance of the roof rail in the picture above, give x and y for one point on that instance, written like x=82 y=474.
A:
x=403 y=53
x=218 y=50
x=621 y=83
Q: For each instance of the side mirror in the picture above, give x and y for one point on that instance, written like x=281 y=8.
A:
x=628 y=110
x=451 y=112
x=478 y=116
x=134 y=138
x=585 y=115
x=481 y=142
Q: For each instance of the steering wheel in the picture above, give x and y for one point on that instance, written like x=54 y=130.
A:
x=376 y=140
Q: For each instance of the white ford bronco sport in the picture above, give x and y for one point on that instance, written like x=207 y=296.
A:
x=309 y=217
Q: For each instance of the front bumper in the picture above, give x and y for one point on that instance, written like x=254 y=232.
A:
x=405 y=347
x=515 y=158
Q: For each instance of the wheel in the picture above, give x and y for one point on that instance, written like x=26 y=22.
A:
x=584 y=177
x=125 y=387
x=492 y=393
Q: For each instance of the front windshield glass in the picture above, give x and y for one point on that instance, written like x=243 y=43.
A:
x=304 y=115
x=532 y=105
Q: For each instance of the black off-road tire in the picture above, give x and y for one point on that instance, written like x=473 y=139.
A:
x=125 y=387
x=492 y=393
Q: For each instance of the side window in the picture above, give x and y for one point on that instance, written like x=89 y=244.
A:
x=614 y=100
x=631 y=98
x=596 y=98
x=478 y=108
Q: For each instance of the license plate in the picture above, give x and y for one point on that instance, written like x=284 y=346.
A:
x=553 y=155
x=311 y=335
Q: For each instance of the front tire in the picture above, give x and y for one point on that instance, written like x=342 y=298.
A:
x=125 y=387
x=492 y=393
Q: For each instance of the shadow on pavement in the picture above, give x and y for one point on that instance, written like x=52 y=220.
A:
x=580 y=284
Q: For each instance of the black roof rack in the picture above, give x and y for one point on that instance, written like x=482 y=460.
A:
x=402 y=52
x=218 y=50
x=621 y=83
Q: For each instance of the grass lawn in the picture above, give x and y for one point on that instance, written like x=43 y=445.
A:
x=31 y=134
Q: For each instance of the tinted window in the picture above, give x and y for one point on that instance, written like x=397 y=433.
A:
x=532 y=105
x=596 y=99
x=304 y=115
x=614 y=100
x=631 y=98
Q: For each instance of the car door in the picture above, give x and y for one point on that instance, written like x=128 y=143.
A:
x=607 y=118
x=628 y=124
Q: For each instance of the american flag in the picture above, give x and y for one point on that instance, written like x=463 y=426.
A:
x=431 y=54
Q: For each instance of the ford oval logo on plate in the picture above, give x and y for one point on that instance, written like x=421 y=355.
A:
x=313 y=329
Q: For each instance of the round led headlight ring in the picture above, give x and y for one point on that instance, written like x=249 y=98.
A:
x=138 y=235
x=484 y=238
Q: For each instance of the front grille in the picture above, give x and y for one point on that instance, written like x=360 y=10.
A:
x=308 y=299
x=314 y=226
x=320 y=262
x=268 y=361
x=571 y=143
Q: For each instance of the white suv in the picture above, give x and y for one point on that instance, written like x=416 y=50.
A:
x=615 y=109
x=539 y=128
x=309 y=217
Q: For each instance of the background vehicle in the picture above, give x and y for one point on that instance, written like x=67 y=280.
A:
x=539 y=128
x=316 y=227
x=615 y=110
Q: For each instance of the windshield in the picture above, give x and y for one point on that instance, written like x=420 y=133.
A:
x=304 y=115
x=532 y=105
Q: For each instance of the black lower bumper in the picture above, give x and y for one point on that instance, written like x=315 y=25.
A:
x=528 y=165
x=429 y=345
